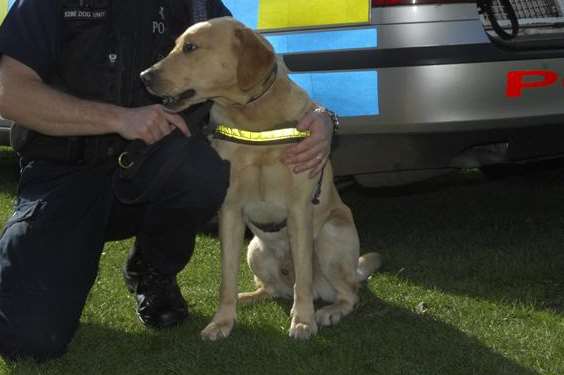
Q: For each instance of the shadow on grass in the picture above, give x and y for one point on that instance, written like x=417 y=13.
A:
x=500 y=240
x=497 y=240
x=397 y=342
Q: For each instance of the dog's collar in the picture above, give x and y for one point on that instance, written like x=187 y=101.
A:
x=268 y=83
x=269 y=137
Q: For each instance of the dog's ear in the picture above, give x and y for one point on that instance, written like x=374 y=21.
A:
x=255 y=59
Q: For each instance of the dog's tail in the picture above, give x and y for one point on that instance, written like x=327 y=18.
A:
x=367 y=265
x=253 y=297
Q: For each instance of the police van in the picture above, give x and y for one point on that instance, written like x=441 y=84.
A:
x=425 y=87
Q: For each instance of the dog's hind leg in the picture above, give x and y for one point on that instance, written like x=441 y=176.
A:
x=344 y=304
x=337 y=249
x=271 y=265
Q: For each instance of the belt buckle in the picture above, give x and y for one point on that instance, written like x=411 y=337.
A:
x=123 y=161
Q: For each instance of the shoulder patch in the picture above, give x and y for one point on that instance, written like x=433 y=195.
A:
x=85 y=9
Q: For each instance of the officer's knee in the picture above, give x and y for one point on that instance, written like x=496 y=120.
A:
x=209 y=187
x=31 y=344
x=219 y=182
x=198 y=186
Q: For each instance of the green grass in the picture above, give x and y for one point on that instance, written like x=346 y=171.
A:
x=472 y=284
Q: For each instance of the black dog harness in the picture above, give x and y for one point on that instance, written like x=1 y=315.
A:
x=268 y=138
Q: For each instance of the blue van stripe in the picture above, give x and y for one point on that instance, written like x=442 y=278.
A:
x=353 y=93
x=324 y=40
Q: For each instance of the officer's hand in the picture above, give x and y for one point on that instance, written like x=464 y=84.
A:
x=150 y=123
x=312 y=153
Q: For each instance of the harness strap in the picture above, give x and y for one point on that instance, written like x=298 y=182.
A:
x=270 y=137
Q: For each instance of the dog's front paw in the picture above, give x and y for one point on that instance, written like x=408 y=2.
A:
x=302 y=330
x=215 y=330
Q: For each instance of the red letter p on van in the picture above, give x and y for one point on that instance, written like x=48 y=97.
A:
x=516 y=81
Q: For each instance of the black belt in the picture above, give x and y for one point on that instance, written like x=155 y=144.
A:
x=73 y=150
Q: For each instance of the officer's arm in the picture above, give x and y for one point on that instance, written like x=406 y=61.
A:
x=26 y=99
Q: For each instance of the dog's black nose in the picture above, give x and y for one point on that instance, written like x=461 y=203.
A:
x=147 y=76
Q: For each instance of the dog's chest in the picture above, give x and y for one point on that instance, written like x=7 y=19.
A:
x=260 y=184
x=256 y=171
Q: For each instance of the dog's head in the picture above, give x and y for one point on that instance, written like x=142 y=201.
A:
x=219 y=58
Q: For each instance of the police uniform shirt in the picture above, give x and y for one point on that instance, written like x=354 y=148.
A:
x=95 y=49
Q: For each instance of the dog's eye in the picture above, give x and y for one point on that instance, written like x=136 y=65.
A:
x=189 y=47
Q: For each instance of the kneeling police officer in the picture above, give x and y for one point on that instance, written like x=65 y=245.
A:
x=101 y=160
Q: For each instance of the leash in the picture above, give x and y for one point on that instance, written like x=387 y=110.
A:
x=317 y=193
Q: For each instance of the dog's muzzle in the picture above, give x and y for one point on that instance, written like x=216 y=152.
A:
x=171 y=100
x=149 y=77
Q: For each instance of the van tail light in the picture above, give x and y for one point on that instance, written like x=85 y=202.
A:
x=388 y=3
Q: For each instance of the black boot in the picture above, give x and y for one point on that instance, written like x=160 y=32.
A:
x=159 y=301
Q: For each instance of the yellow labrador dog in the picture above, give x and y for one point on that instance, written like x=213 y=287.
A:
x=300 y=249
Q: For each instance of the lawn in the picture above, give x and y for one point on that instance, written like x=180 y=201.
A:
x=473 y=283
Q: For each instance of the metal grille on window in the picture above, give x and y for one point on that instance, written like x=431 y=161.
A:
x=527 y=9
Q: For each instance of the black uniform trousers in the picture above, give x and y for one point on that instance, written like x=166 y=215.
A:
x=51 y=246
